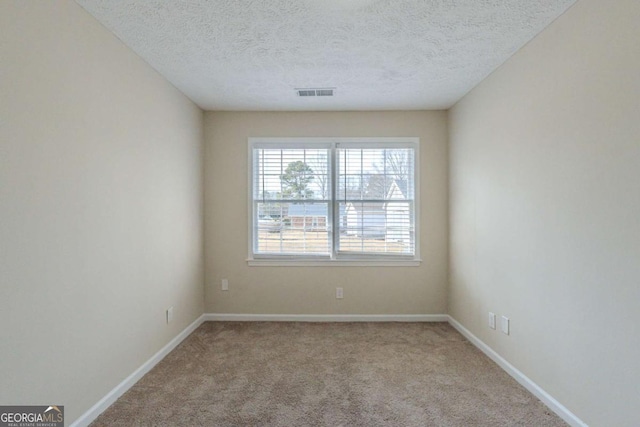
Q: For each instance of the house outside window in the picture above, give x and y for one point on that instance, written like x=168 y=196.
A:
x=340 y=201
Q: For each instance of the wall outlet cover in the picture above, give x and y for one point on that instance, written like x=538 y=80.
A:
x=505 y=325
x=492 y=320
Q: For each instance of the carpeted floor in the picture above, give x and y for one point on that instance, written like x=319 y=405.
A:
x=327 y=374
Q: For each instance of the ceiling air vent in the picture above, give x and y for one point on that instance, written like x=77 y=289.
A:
x=327 y=91
x=324 y=92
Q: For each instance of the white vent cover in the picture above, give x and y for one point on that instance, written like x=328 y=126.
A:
x=326 y=91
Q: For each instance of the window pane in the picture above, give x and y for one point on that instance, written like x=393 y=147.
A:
x=375 y=196
x=282 y=227
x=295 y=174
x=292 y=228
x=375 y=227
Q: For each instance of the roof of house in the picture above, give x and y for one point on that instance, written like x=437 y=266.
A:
x=402 y=184
x=308 y=209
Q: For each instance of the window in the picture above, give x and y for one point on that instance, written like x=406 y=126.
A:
x=338 y=200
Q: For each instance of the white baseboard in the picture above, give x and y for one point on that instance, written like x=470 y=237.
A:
x=525 y=381
x=232 y=317
x=86 y=418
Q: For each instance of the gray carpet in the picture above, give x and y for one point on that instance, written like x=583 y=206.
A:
x=327 y=374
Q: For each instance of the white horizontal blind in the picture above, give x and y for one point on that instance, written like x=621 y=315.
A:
x=291 y=201
x=335 y=199
x=376 y=200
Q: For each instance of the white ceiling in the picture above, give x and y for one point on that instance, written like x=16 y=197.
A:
x=378 y=54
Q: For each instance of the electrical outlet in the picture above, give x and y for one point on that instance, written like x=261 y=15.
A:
x=505 y=325
x=225 y=284
x=492 y=320
x=169 y=314
x=339 y=293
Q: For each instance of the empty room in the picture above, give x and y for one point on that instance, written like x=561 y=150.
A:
x=320 y=213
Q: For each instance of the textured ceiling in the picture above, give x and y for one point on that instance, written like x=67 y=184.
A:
x=378 y=54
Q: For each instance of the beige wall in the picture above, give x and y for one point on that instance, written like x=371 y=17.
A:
x=100 y=207
x=311 y=290
x=545 y=210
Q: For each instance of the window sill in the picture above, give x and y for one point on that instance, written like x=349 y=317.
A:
x=332 y=263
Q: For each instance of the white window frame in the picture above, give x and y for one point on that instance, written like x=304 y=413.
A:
x=333 y=259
